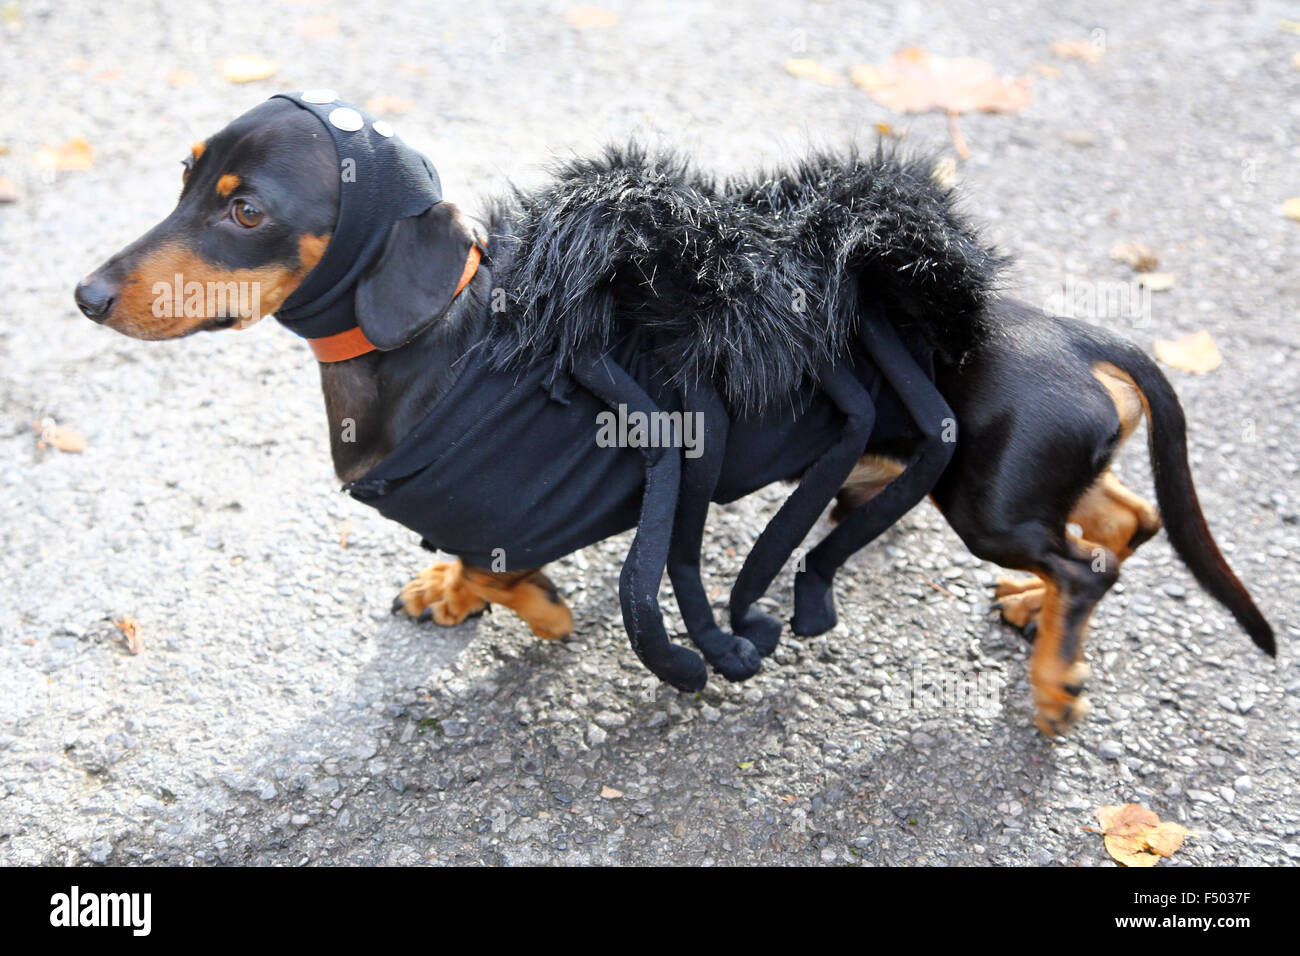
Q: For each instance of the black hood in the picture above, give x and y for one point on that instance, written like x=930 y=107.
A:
x=381 y=180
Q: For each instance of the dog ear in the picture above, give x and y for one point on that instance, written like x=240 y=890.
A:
x=416 y=276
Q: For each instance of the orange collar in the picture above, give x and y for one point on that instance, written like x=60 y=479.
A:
x=352 y=342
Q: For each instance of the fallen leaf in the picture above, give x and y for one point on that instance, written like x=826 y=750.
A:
x=391 y=105
x=318 y=28
x=248 y=68
x=1079 y=137
x=812 y=70
x=130 y=628
x=344 y=533
x=76 y=153
x=1191 y=353
x=1156 y=281
x=1085 y=50
x=180 y=79
x=609 y=793
x=945 y=172
x=586 y=17
x=914 y=81
x=887 y=129
x=56 y=436
x=1135 y=836
x=1135 y=254
x=8 y=190
x=1291 y=208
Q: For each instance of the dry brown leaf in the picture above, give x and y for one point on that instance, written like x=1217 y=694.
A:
x=1135 y=254
x=130 y=628
x=1291 y=208
x=318 y=28
x=390 y=105
x=76 y=153
x=812 y=70
x=1156 y=281
x=914 y=81
x=583 y=16
x=248 y=68
x=180 y=79
x=56 y=436
x=1191 y=353
x=1135 y=836
x=609 y=793
x=1085 y=50
x=8 y=190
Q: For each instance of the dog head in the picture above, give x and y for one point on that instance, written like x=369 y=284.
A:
x=304 y=207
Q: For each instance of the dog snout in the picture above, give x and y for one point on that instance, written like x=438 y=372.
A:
x=95 y=296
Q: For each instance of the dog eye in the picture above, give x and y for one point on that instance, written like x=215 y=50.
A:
x=246 y=214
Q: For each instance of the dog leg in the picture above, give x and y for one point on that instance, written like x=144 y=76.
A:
x=448 y=592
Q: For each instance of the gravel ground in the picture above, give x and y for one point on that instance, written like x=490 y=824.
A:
x=279 y=715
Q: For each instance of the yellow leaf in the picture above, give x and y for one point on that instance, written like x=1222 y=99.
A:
x=1135 y=836
x=248 y=68
x=1192 y=353
x=1084 y=50
x=583 y=16
x=130 y=628
x=914 y=81
x=1156 y=281
x=55 y=436
x=812 y=70
x=76 y=153
x=1135 y=254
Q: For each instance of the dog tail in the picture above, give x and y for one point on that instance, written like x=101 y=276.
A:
x=1180 y=509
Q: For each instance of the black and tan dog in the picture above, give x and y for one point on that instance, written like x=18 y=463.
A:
x=757 y=289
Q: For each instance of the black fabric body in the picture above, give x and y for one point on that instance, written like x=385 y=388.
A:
x=382 y=180
x=801 y=315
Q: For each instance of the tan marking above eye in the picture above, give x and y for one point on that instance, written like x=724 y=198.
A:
x=197 y=150
x=227 y=184
x=310 y=250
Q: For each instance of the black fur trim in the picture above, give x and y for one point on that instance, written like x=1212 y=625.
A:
x=753 y=283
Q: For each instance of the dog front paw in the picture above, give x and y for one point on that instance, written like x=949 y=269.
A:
x=439 y=593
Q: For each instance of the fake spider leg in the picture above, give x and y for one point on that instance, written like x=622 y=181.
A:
x=814 y=601
x=800 y=511
x=638 y=587
x=735 y=658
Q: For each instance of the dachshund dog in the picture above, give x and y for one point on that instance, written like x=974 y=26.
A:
x=835 y=325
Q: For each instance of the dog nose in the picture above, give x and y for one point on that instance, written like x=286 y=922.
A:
x=95 y=297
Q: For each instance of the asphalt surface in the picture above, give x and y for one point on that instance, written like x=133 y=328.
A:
x=278 y=714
